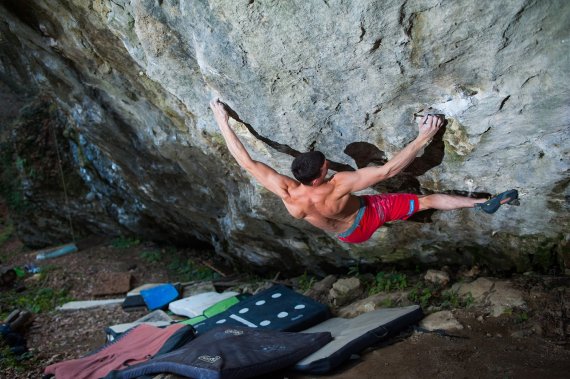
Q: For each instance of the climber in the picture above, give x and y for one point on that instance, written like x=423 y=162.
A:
x=329 y=203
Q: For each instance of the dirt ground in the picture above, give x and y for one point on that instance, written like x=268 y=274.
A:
x=534 y=346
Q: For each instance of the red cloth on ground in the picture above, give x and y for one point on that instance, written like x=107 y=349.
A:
x=376 y=210
x=137 y=346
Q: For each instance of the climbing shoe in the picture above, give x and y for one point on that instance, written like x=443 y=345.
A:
x=494 y=203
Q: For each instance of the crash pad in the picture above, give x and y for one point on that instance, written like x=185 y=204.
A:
x=156 y=318
x=277 y=308
x=160 y=296
x=214 y=310
x=231 y=352
x=195 y=305
x=351 y=336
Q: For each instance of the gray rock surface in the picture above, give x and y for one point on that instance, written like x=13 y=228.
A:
x=128 y=83
x=443 y=320
x=437 y=277
x=497 y=295
x=377 y=301
x=320 y=290
x=344 y=291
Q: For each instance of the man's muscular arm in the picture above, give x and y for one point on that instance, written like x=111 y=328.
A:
x=268 y=177
x=358 y=180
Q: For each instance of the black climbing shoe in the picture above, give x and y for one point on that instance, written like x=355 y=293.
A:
x=491 y=205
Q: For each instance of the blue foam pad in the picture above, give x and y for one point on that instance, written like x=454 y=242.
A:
x=160 y=296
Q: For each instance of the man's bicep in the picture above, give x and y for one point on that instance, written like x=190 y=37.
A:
x=271 y=179
x=354 y=181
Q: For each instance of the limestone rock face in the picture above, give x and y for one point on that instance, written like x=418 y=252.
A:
x=129 y=82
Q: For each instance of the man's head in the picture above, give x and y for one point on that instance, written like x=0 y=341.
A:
x=308 y=166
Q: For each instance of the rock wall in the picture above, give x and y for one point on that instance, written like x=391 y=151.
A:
x=130 y=82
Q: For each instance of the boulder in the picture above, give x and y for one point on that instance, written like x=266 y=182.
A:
x=443 y=320
x=496 y=295
x=114 y=95
x=371 y=303
x=320 y=290
x=344 y=291
x=440 y=278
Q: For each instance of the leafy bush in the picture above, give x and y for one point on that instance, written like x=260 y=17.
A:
x=125 y=242
x=187 y=270
x=34 y=299
x=420 y=295
x=306 y=282
x=387 y=282
x=151 y=256
x=6 y=234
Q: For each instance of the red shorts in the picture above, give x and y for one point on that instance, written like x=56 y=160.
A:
x=375 y=210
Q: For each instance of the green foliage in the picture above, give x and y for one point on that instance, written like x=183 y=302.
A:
x=516 y=314
x=521 y=316
x=125 y=242
x=426 y=295
x=451 y=299
x=10 y=178
x=387 y=282
x=387 y=303
x=420 y=295
x=10 y=361
x=42 y=300
x=354 y=270
x=188 y=271
x=7 y=232
x=151 y=256
x=306 y=282
x=35 y=299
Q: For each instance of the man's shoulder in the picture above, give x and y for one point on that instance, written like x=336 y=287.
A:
x=339 y=178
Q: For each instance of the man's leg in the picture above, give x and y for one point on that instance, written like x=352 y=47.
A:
x=447 y=202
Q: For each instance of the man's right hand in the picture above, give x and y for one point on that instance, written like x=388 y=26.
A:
x=429 y=126
x=220 y=113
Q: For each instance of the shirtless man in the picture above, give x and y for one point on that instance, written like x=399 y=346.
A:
x=329 y=203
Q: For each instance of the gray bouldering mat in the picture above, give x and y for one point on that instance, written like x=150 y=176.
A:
x=351 y=336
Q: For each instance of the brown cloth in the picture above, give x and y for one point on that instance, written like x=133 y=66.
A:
x=135 y=346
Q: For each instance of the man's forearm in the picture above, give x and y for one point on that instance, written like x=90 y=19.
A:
x=236 y=148
x=404 y=157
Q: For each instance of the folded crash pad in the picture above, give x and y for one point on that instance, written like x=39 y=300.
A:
x=157 y=318
x=231 y=352
x=160 y=296
x=214 y=310
x=351 y=336
x=133 y=303
x=277 y=308
x=193 y=306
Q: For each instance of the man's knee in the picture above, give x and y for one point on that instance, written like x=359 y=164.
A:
x=425 y=202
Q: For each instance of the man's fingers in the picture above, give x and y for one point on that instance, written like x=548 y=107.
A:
x=215 y=103
x=436 y=121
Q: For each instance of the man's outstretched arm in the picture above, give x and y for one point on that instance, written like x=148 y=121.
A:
x=363 y=178
x=268 y=177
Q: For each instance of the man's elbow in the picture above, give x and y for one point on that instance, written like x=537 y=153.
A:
x=385 y=173
x=249 y=165
x=390 y=173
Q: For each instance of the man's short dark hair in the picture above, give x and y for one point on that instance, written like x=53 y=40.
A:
x=306 y=167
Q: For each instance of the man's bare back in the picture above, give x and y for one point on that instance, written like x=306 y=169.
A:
x=321 y=208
